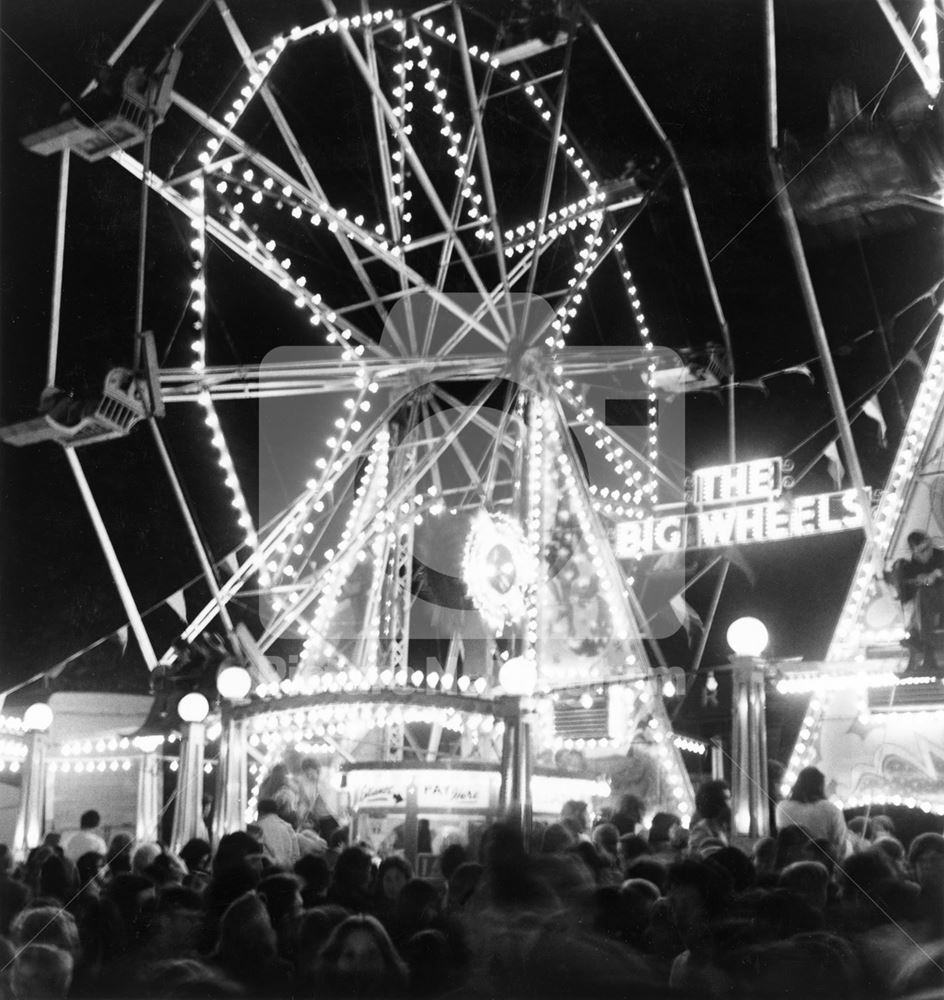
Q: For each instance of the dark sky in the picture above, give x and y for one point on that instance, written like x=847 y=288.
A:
x=701 y=68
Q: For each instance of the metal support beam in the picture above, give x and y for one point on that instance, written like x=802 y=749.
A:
x=121 y=583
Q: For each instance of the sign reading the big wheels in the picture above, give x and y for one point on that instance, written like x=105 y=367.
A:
x=774 y=520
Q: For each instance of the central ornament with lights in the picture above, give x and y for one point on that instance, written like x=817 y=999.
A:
x=498 y=567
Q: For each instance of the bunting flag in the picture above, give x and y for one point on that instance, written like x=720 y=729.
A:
x=836 y=469
x=756 y=383
x=873 y=410
x=178 y=604
x=121 y=638
x=736 y=557
x=231 y=562
x=799 y=370
x=914 y=358
x=687 y=616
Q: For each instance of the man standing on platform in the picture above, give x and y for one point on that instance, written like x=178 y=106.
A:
x=921 y=579
x=87 y=839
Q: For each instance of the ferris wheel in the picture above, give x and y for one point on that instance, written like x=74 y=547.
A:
x=416 y=195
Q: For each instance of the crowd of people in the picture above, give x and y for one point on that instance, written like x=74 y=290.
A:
x=611 y=908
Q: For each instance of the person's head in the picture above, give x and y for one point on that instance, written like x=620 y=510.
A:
x=310 y=769
x=119 y=853
x=314 y=871
x=632 y=808
x=713 y=801
x=737 y=864
x=57 y=879
x=282 y=895
x=574 y=816
x=556 y=838
x=144 y=856
x=267 y=807
x=462 y=885
x=632 y=846
x=860 y=874
x=90 y=820
x=764 y=855
x=810 y=786
x=418 y=904
x=883 y=825
x=606 y=839
x=246 y=936
x=91 y=869
x=809 y=880
x=452 y=856
x=662 y=830
x=195 y=854
x=697 y=892
x=352 y=869
x=46 y=925
x=41 y=972
x=926 y=858
x=921 y=546
x=392 y=875
x=235 y=850
x=359 y=959
x=861 y=826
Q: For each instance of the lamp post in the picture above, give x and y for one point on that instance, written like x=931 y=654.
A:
x=193 y=709
x=232 y=794
x=150 y=788
x=518 y=677
x=747 y=638
x=31 y=815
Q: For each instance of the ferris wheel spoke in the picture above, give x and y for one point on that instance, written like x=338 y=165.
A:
x=301 y=161
x=419 y=170
x=475 y=109
x=549 y=170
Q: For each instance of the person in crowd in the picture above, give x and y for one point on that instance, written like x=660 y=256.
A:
x=246 y=949
x=807 y=807
x=575 y=817
x=13 y=893
x=462 y=886
x=279 y=840
x=392 y=875
x=417 y=908
x=87 y=839
x=712 y=824
x=450 y=858
x=606 y=842
x=665 y=837
x=143 y=856
x=313 y=870
x=118 y=855
x=359 y=960
x=926 y=864
x=282 y=895
x=809 y=880
x=350 y=881
x=628 y=817
x=920 y=579
x=41 y=972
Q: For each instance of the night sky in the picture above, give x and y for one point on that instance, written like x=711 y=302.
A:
x=701 y=68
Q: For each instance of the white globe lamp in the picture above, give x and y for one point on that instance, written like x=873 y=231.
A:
x=233 y=682
x=747 y=637
x=193 y=707
x=37 y=718
x=518 y=676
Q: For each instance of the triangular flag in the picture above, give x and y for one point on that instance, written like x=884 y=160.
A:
x=756 y=383
x=914 y=358
x=178 y=604
x=836 y=469
x=736 y=557
x=799 y=370
x=121 y=638
x=873 y=410
x=688 y=618
x=231 y=562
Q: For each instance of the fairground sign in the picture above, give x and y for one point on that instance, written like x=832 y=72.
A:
x=774 y=520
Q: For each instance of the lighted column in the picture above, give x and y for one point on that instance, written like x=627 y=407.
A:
x=193 y=709
x=518 y=677
x=31 y=816
x=234 y=683
x=747 y=637
x=150 y=789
